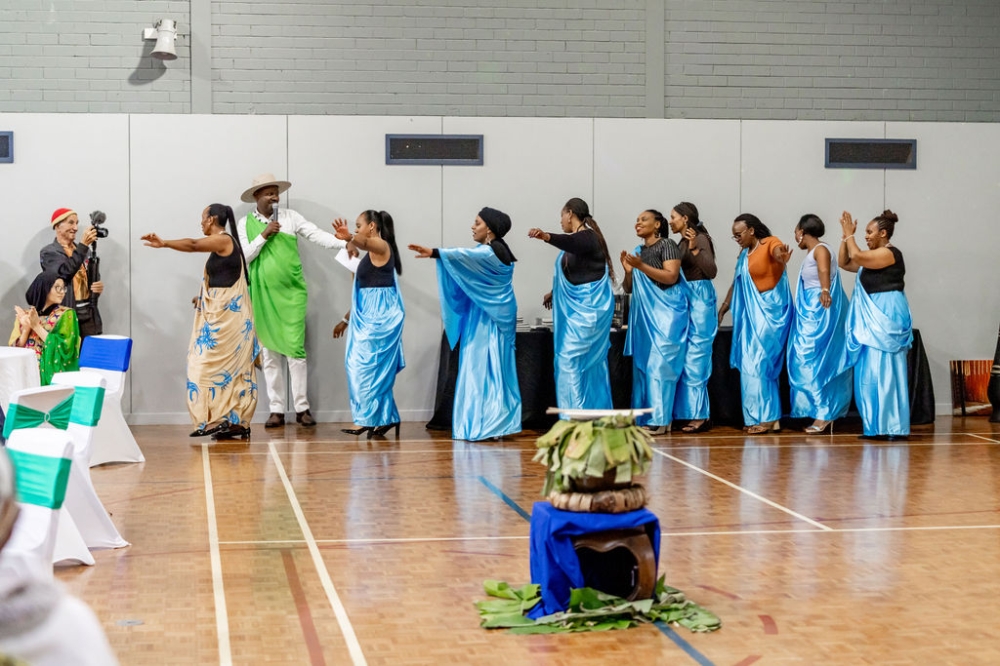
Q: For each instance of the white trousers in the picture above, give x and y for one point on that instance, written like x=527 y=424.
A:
x=274 y=375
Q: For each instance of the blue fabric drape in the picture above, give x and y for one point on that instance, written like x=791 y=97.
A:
x=820 y=387
x=656 y=340
x=555 y=566
x=692 y=389
x=760 y=330
x=879 y=333
x=479 y=310
x=581 y=322
x=374 y=353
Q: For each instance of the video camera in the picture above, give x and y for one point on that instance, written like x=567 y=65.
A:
x=97 y=219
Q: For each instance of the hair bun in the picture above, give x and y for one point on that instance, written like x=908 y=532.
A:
x=890 y=216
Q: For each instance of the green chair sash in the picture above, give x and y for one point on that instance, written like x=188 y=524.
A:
x=41 y=480
x=26 y=417
x=87 y=404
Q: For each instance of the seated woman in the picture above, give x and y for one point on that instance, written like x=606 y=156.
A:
x=374 y=326
x=48 y=327
x=479 y=309
x=658 y=320
x=221 y=378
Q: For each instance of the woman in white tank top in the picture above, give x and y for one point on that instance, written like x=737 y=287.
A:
x=820 y=389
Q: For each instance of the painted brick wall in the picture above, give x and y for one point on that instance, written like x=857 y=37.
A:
x=770 y=59
x=812 y=60
x=88 y=56
x=440 y=57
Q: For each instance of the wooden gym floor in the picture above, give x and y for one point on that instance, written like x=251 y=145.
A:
x=313 y=547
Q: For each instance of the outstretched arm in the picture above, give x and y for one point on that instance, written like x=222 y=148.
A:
x=220 y=244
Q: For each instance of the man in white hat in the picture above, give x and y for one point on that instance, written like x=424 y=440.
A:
x=278 y=291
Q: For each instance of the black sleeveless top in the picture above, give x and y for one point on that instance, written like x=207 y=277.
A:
x=369 y=275
x=224 y=271
x=890 y=278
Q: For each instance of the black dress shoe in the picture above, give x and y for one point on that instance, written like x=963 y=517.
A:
x=360 y=431
x=275 y=420
x=382 y=430
x=305 y=418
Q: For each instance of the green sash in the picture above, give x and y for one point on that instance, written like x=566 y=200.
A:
x=87 y=404
x=41 y=480
x=26 y=417
x=278 y=292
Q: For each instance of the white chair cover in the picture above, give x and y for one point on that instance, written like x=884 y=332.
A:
x=109 y=356
x=42 y=529
x=82 y=502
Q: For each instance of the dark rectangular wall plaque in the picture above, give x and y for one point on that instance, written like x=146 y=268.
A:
x=448 y=149
x=6 y=147
x=871 y=153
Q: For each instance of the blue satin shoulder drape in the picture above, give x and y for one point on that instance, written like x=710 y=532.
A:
x=581 y=322
x=479 y=310
x=692 y=389
x=374 y=354
x=760 y=330
x=656 y=340
x=879 y=333
x=820 y=387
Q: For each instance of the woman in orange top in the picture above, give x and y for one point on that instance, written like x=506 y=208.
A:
x=762 y=314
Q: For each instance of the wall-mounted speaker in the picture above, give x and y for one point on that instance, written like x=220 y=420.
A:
x=871 y=153
x=6 y=147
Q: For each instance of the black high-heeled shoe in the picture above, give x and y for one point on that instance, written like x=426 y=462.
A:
x=381 y=430
x=233 y=432
x=202 y=432
x=358 y=431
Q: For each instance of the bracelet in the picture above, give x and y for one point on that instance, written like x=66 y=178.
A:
x=844 y=239
x=826 y=291
x=345 y=320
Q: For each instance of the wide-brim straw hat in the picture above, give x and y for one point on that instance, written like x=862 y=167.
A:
x=263 y=180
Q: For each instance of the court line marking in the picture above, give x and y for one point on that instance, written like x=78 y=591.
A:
x=506 y=499
x=994 y=441
x=744 y=490
x=663 y=534
x=683 y=644
x=357 y=656
x=221 y=613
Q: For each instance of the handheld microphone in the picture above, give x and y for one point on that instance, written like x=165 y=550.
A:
x=274 y=212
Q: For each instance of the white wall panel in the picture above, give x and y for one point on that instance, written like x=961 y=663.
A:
x=65 y=161
x=949 y=223
x=532 y=167
x=338 y=169
x=180 y=164
x=657 y=164
x=784 y=177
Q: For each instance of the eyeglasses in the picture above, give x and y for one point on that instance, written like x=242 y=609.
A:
x=739 y=235
x=60 y=288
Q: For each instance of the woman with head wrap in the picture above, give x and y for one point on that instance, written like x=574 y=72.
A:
x=583 y=305
x=221 y=378
x=657 y=321
x=479 y=310
x=762 y=314
x=879 y=327
x=820 y=387
x=374 y=352
x=48 y=327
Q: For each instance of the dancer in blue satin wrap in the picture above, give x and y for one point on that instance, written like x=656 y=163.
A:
x=820 y=386
x=699 y=269
x=762 y=314
x=879 y=327
x=479 y=310
x=582 y=305
x=657 y=322
x=374 y=352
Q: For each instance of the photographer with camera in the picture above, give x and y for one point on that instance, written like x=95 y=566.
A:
x=76 y=263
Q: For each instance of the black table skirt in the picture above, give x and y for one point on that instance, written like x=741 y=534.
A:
x=535 y=374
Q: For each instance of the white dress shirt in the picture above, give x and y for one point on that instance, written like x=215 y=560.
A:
x=291 y=223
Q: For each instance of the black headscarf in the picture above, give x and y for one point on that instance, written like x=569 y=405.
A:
x=499 y=223
x=38 y=292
